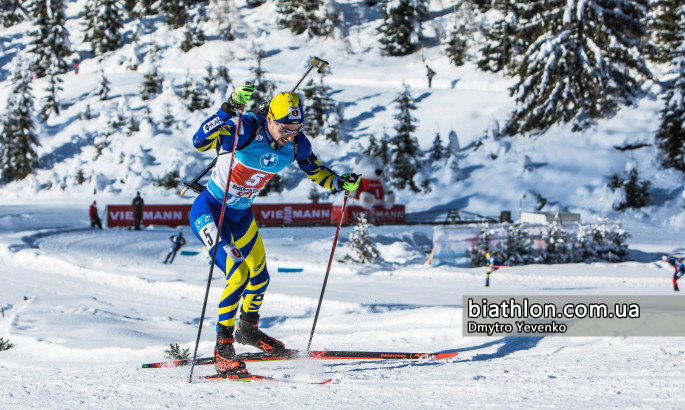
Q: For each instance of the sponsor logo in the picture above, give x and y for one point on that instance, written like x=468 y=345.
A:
x=295 y=113
x=269 y=160
x=259 y=138
x=209 y=126
x=392 y=355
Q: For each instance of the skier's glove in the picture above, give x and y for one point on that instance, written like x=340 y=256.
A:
x=349 y=182
x=241 y=95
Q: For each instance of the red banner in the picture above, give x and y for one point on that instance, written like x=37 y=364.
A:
x=292 y=214
x=170 y=215
x=376 y=215
x=265 y=214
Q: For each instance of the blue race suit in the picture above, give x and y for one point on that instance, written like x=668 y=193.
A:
x=258 y=158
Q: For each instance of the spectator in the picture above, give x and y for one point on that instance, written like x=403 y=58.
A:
x=137 y=210
x=430 y=74
x=94 y=216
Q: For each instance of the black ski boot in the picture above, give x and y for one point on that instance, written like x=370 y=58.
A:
x=225 y=360
x=248 y=333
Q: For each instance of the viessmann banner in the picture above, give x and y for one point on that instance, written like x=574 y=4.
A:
x=265 y=214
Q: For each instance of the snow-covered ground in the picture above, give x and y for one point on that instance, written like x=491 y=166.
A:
x=85 y=308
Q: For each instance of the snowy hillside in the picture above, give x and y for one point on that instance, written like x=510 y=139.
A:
x=568 y=170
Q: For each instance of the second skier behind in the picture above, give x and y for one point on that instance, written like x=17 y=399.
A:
x=260 y=154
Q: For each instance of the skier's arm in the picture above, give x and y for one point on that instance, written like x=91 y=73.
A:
x=310 y=164
x=219 y=129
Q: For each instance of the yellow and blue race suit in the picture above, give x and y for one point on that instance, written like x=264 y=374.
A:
x=258 y=158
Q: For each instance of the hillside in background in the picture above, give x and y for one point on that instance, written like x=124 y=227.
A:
x=557 y=170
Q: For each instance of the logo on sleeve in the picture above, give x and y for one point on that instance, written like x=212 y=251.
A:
x=295 y=113
x=210 y=125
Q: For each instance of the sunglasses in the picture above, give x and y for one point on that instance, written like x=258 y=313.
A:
x=286 y=131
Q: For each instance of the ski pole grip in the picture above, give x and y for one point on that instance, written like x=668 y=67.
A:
x=184 y=190
x=319 y=64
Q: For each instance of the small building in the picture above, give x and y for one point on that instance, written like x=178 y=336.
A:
x=548 y=217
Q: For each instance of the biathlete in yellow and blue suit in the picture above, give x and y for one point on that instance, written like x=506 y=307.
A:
x=260 y=154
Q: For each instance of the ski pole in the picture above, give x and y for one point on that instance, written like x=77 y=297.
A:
x=502 y=266
x=216 y=241
x=194 y=184
x=328 y=270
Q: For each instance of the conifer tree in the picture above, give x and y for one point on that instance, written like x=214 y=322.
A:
x=175 y=11
x=194 y=95
x=503 y=43
x=322 y=111
x=361 y=243
x=50 y=103
x=152 y=82
x=263 y=87
x=558 y=243
x=670 y=137
x=13 y=12
x=103 y=90
x=437 y=151
x=404 y=147
x=254 y=3
x=193 y=36
x=665 y=29
x=314 y=195
x=401 y=31
x=50 y=40
x=585 y=62
x=316 y=18
x=457 y=45
x=275 y=184
x=103 y=23
x=18 y=141
x=223 y=13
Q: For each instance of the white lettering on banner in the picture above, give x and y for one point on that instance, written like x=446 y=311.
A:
x=163 y=216
x=288 y=217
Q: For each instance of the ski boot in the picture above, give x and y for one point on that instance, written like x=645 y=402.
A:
x=248 y=333
x=225 y=360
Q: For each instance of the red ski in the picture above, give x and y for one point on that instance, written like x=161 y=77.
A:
x=311 y=355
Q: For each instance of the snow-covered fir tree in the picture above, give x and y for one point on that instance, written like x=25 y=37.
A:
x=275 y=184
x=13 y=12
x=314 y=195
x=379 y=149
x=518 y=247
x=480 y=245
x=103 y=89
x=437 y=151
x=152 y=82
x=175 y=11
x=144 y=8
x=457 y=44
x=194 y=95
x=263 y=87
x=223 y=13
x=361 y=243
x=401 y=30
x=558 y=243
x=316 y=18
x=404 y=147
x=103 y=24
x=50 y=102
x=670 y=137
x=633 y=192
x=665 y=29
x=254 y=3
x=322 y=111
x=50 y=46
x=18 y=140
x=585 y=62
x=502 y=43
x=193 y=36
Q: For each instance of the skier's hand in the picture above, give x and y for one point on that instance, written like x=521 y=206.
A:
x=349 y=182
x=241 y=95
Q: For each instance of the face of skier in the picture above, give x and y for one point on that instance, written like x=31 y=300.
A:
x=283 y=133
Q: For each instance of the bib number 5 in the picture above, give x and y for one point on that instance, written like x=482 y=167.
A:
x=255 y=179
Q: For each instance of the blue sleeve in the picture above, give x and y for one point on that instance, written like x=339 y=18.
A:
x=219 y=130
x=310 y=164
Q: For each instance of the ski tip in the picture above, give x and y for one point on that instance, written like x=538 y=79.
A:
x=323 y=382
x=445 y=355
